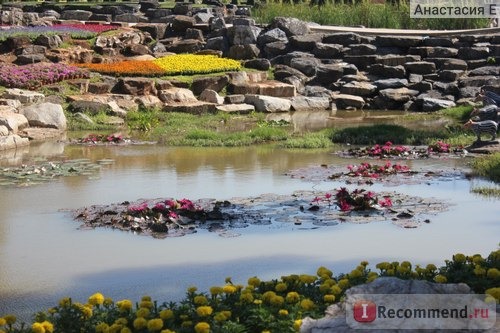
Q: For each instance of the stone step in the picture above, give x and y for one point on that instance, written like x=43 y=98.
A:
x=269 y=88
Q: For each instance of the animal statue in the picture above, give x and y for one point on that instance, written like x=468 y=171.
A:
x=488 y=112
x=488 y=98
x=487 y=126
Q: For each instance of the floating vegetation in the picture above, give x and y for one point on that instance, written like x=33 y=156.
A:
x=25 y=175
x=162 y=218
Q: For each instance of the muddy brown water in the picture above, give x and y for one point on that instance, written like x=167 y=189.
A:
x=44 y=256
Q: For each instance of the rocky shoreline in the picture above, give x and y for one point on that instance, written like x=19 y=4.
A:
x=311 y=70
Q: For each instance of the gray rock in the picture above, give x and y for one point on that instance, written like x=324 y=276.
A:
x=391 y=83
x=398 y=41
x=194 y=34
x=291 y=26
x=268 y=103
x=14 y=122
x=327 y=74
x=317 y=91
x=282 y=71
x=45 y=115
x=396 y=60
x=447 y=88
x=358 y=89
x=344 y=101
x=217 y=43
x=12 y=142
x=473 y=53
x=88 y=107
x=26 y=59
x=449 y=75
x=396 y=72
x=216 y=83
x=305 y=103
x=49 y=41
x=305 y=42
x=181 y=22
x=261 y=64
x=243 y=21
x=50 y=13
x=185 y=46
x=442 y=52
x=440 y=41
x=271 y=36
x=23 y=96
x=137 y=86
x=306 y=65
x=182 y=8
x=4 y=131
x=240 y=108
x=242 y=52
x=243 y=35
x=146 y=101
x=131 y=18
x=211 y=96
x=433 y=104
x=327 y=51
x=202 y=17
x=420 y=67
x=361 y=62
x=174 y=95
x=487 y=70
x=361 y=49
x=234 y=99
x=342 y=38
x=469 y=92
x=415 y=78
x=478 y=81
x=400 y=95
x=217 y=23
x=421 y=86
x=155 y=30
x=276 y=49
x=78 y=15
x=449 y=63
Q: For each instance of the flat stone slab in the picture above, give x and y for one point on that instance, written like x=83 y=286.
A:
x=236 y=108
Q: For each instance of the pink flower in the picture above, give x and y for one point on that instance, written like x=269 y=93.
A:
x=344 y=206
x=386 y=202
x=328 y=195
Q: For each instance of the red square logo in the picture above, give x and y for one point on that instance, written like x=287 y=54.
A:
x=364 y=311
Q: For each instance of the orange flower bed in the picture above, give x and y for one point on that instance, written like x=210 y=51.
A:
x=131 y=67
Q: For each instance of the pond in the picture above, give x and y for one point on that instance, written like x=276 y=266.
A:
x=44 y=256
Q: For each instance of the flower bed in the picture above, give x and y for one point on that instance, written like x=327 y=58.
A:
x=180 y=64
x=76 y=31
x=278 y=305
x=389 y=150
x=36 y=75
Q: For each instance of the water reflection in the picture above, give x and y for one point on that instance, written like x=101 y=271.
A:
x=44 y=257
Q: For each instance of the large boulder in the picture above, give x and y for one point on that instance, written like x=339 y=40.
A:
x=78 y=15
x=305 y=42
x=244 y=52
x=243 y=34
x=137 y=86
x=45 y=115
x=271 y=36
x=176 y=95
x=305 y=103
x=342 y=38
x=291 y=26
x=433 y=104
x=216 y=83
x=12 y=142
x=420 y=67
x=23 y=96
x=344 y=101
x=268 y=103
x=14 y=122
x=358 y=88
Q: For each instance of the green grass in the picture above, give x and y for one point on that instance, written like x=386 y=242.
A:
x=491 y=192
x=460 y=113
x=314 y=140
x=488 y=167
x=365 y=13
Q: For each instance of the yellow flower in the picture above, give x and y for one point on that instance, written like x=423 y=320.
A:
x=343 y=284
x=96 y=299
x=125 y=330
x=3 y=322
x=102 y=328
x=192 y=289
x=155 y=325
x=440 y=278
x=200 y=300
x=65 y=302
x=49 y=328
x=219 y=317
x=406 y=264
x=10 y=319
x=266 y=297
x=431 y=267
x=166 y=314
x=115 y=328
x=336 y=290
x=121 y=321
x=292 y=297
x=146 y=298
x=403 y=269
x=246 y=297
x=307 y=304
x=37 y=328
x=494 y=292
x=216 y=291
x=307 y=279
x=229 y=289
x=364 y=263
x=254 y=281
x=355 y=274
x=142 y=313
x=459 y=257
x=479 y=271
x=86 y=309
x=202 y=327
x=296 y=324
x=390 y=272
x=493 y=273
x=167 y=331
x=226 y=313
x=140 y=323
x=371 y=276
x=108 y=301
x=324 y=272
x=281 y=287
x=124 y=305
x=329 y=298
x=283 y=312
x=146 y=304
x=277 y=301
x=204 y=311
x=266 y=331
x=257 y=302
x=187 y=323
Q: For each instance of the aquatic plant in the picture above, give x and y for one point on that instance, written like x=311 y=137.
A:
x=101 y=138
x=366 y=169
x=355 y=200
x=277 y=305
x=33 y=76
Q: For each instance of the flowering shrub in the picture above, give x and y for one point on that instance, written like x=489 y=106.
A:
x=374 y=171
x=33 y=76
x=97 y=138
x=196 y=64
x=76 y=31
x=358 y=199
x=130 y=67
x=259 y=306
x=96 y=28
x=439 y=147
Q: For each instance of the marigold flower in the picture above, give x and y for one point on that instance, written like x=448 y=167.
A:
x=257 y=302
x=37 y=328
x=202 y=327
x=292 y=297
x=216 y=291
x=336 y=290
x=192 y=289
x=494 y=292
x=187 y=323
x=266 y=297
x=146 y=304
x=140 y=323
x=344 y=283
x=459 y=258
x=329 y=298
x=48 y=326
x=277 y=301
x=307 y=279
x=121 y=321
x=296 y=324
x=204 y=311
x=200 y=300
x=283 y=312
x=307 y=304
x=155 y=325
x=96 y=299
x=125 y=330
x=142 y=312
x=3 y=322
x=220 y=317
x=493 y=273
x=440 y=278
x=65 y=302
x=254 y=281
x=10 y=319
x=281 y=287
x=124 y=305
x=108 y=301
x=166 y=314
x=229 y=289
x=102 y=328
x=246 y=297
x=479 y=271
x=323 y=272
x=167 y=331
